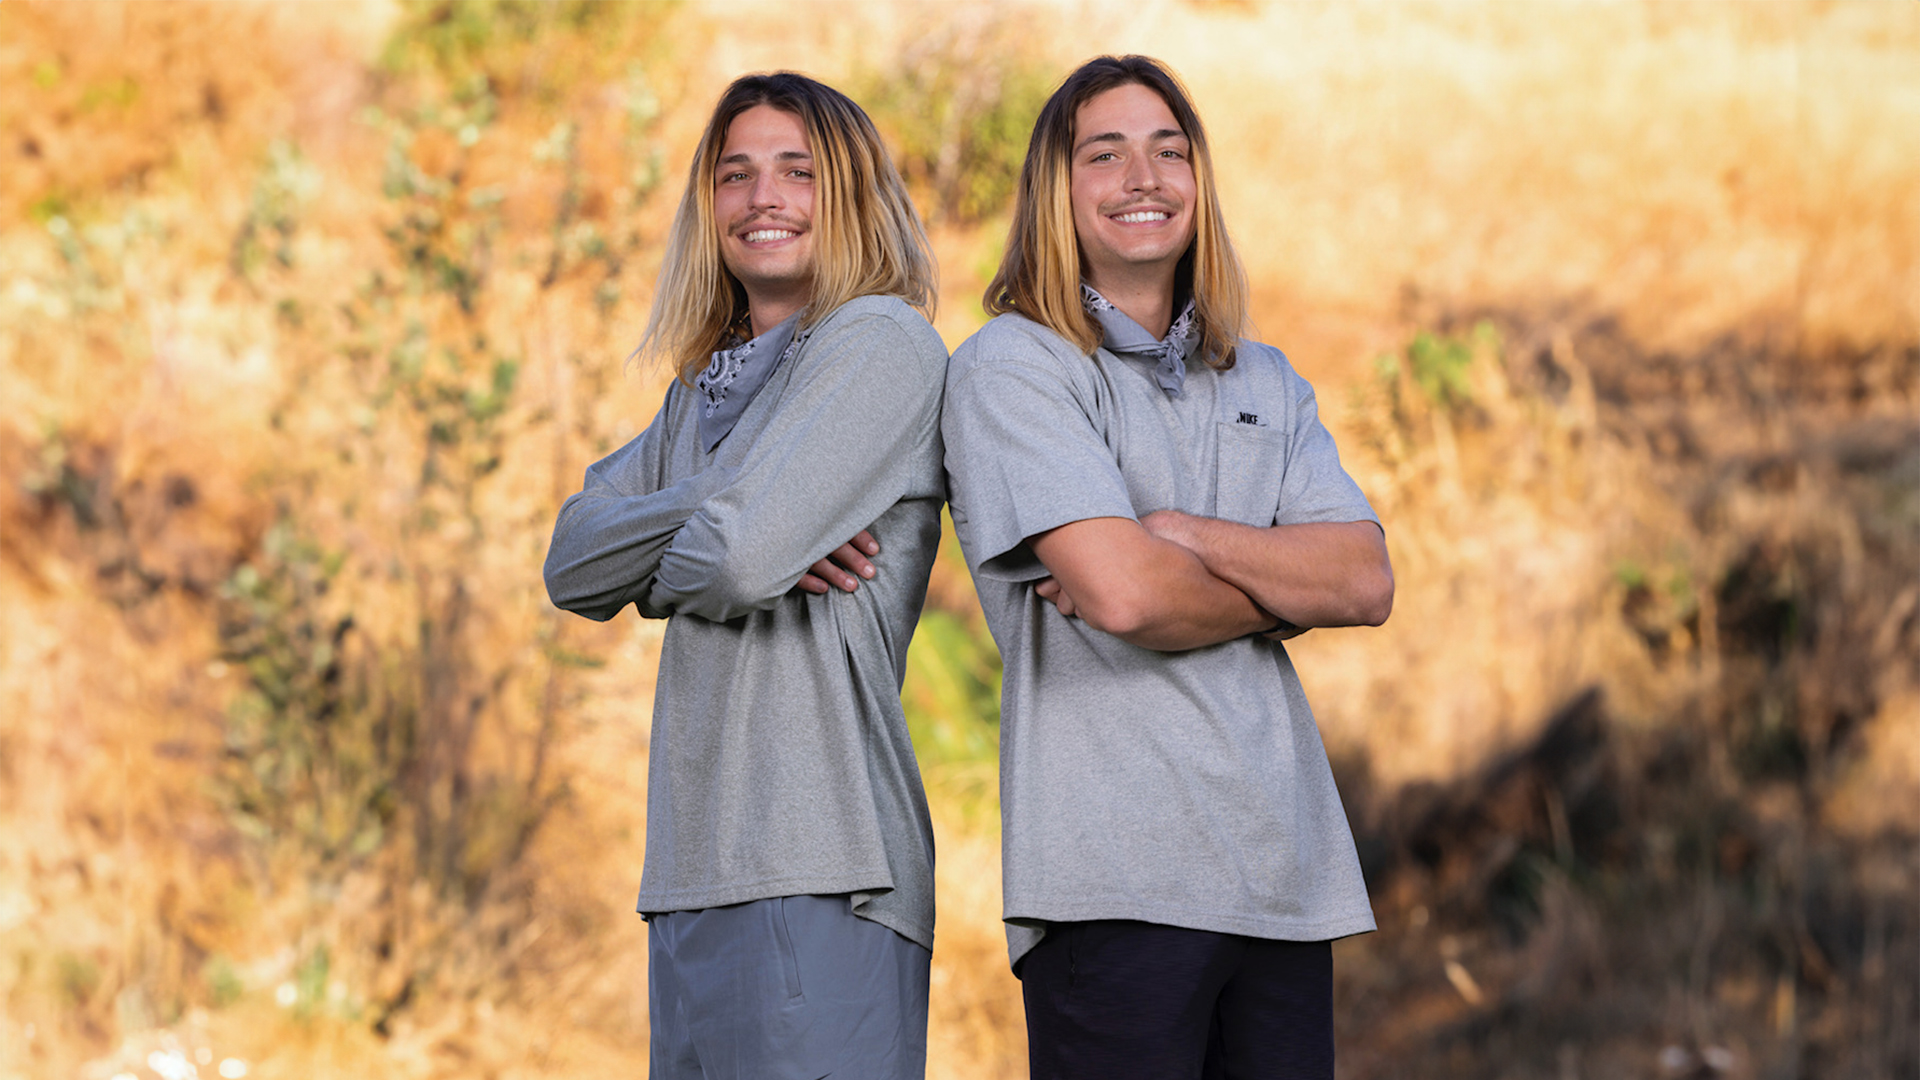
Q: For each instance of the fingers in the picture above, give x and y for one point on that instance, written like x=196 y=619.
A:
x=830 y=575
x=1049 y=589
x=847 y=560
x=844 y=566
x=841 y=566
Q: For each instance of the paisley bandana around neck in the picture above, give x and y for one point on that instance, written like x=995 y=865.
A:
x=728 y=385
x=1128 y=338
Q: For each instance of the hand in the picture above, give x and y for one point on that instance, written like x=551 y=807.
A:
x=1286 y=631
x=841 y=566
x=1049 y=590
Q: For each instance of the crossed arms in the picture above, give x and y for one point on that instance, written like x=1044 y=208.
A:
x=1174 y=581
x=723 y=542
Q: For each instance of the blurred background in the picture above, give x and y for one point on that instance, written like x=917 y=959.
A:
x=311 y=315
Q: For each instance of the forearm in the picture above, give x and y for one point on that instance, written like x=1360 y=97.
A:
x=1145 y=590
x=1324 y=574
x=855 y=431
x=1188 y=608
x=607 y=546
x=730 y=562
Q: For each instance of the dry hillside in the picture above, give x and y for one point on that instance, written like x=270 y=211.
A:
x=310 y=315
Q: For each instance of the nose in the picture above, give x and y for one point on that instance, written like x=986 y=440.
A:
x=1141 y=175
x=765 y=194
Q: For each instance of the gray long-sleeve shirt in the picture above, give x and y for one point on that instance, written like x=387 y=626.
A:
x=780 y=761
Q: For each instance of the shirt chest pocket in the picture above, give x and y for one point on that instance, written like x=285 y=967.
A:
x=1253 y=461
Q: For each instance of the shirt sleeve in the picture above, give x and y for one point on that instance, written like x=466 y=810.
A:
x=853 y=424
x=609 y=537
x=1023 y=456
x=1315 y=488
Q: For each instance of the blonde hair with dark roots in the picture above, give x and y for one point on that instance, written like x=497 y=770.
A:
x=1040 y=273
x=866 y=240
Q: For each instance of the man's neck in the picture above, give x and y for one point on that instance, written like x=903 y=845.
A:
x=1146 y=299
x=768 y=311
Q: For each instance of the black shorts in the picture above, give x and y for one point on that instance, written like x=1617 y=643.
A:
x=1115 y=1000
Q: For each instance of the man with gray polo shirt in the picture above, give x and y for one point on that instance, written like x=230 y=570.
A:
x=781 y=513
x=1150 y=505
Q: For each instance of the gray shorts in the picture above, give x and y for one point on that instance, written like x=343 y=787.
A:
x=793 y=987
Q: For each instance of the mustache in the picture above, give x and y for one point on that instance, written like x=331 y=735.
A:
x=764 y=221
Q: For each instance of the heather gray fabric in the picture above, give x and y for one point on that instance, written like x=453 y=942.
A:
x=1124 y=337
x=1188 y=789
x=736 y=374
x=790 y=987
x=780 y=761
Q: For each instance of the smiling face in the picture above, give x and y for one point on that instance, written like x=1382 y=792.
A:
x=763 y=189
x=1133 y=188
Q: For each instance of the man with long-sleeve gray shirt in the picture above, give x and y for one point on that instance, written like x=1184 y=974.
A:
x=781 y=512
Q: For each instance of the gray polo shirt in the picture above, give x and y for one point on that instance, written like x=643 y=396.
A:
x=780 y=761
x=1187 y=789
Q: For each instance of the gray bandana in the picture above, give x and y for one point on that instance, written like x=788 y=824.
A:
x=1125 y=337
x=737 y=373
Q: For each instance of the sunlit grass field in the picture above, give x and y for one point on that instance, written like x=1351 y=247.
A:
x=311 y=315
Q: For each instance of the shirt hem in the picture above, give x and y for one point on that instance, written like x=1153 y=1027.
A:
x=1273 y=929
x=875 y=886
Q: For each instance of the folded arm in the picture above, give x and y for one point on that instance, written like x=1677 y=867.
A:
x=608 y=542
x=851 y=427
x=1322 y=574
x=1146 y=590
x=609 y=537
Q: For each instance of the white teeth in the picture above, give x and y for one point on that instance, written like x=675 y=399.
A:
x=759 y=235
x=1139 y=216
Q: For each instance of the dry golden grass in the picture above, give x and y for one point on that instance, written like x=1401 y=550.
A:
x=1695 y=227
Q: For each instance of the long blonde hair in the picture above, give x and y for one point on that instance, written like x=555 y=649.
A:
x=867 y=239
x=1040 y=273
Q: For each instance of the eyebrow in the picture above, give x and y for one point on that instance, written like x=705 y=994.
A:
x=1115 y=136
x=784 y=155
